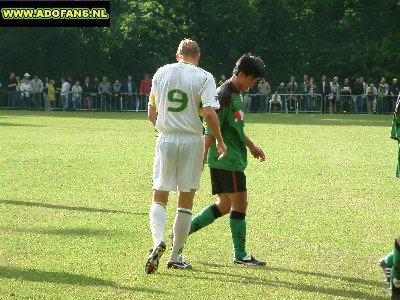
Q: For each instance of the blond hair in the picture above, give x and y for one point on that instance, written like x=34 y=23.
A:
x=188 y=47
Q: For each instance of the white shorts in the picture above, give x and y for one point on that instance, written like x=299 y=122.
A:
x=178 y=162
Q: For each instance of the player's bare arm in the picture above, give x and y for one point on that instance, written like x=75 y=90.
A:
x=211 y=119
x=208 y=138
x=254 y=150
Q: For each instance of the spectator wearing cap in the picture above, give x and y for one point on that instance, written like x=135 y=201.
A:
x=25 y=88
x=37 y=89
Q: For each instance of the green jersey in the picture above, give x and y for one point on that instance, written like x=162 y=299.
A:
x=231 y=122
x=395 y=134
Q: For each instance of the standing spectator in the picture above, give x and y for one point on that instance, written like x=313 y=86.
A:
x=357 y=92
x=116 y=93
x=94 y=93
x=292 y=100
x=324 y=88
x=312 y=97
x=334 y=94
x=345 y=94
x=64 y=94
x=383 y=91
x=46 y=94
x=37 y=90
x=222 y=80
x=76 y=92
x=282 y=91
x=264 y=89
x=371 y=98
x=145 y=87
x=305 y=92
x=25 y=89
x=12 y=90
x=51 y=92
x=275 y=101
x=104 y=92
x=364 y=95
x=394 y=92
x=129 y=90
x=86 y=90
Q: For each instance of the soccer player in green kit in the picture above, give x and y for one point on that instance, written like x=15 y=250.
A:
x=227 y=175
x=391 y=262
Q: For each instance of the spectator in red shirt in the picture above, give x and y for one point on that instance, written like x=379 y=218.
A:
x=145 y=85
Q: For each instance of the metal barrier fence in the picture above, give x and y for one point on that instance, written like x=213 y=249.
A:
x=82 y=101
x=318 y=103
x=361 y=104
x=297 y=103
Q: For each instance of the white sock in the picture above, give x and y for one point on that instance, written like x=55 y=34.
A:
x=158 y=218
x=181 y=231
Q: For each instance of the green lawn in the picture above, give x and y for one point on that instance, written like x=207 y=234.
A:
x=76 y=189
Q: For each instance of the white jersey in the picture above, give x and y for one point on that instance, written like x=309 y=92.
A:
x=180 y=91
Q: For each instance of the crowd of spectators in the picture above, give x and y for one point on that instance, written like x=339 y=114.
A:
x=334 y=96
x=71 y=94
x=308 y=95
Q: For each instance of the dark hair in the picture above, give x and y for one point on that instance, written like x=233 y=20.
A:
x=250 y=65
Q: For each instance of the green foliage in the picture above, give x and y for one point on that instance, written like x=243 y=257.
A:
x=337 y=38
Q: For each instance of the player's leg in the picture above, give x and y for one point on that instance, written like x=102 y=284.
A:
x=181 y=229
x=190 y=165
x=158 y=219
x=164 y=180
x=386 y=264
x=395 y=273
x=222 y=207
x=237 y=221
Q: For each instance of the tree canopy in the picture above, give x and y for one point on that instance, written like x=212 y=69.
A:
x=342 y=38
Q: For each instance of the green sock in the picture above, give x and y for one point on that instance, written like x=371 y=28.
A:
x=204 y=218
x=389 y=258
x=396 y=261
x=238 y=228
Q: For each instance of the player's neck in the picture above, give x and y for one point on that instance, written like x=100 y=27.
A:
x=189 y=60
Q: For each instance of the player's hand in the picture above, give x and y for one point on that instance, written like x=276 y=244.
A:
x=222 y=148
x=257 y=153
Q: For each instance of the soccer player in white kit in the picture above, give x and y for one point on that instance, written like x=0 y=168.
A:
x=181 y=93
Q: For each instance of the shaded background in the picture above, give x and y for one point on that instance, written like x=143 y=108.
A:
x=339 y=38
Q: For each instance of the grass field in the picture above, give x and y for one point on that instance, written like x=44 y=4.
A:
x=76 y=189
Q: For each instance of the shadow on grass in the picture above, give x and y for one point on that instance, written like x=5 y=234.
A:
x=235 y=278
x=66 y=278
x=330 y=120
x=77 y=114
x=73 y=208
x=262 y=118
x=67 y=231
x=19 y=125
